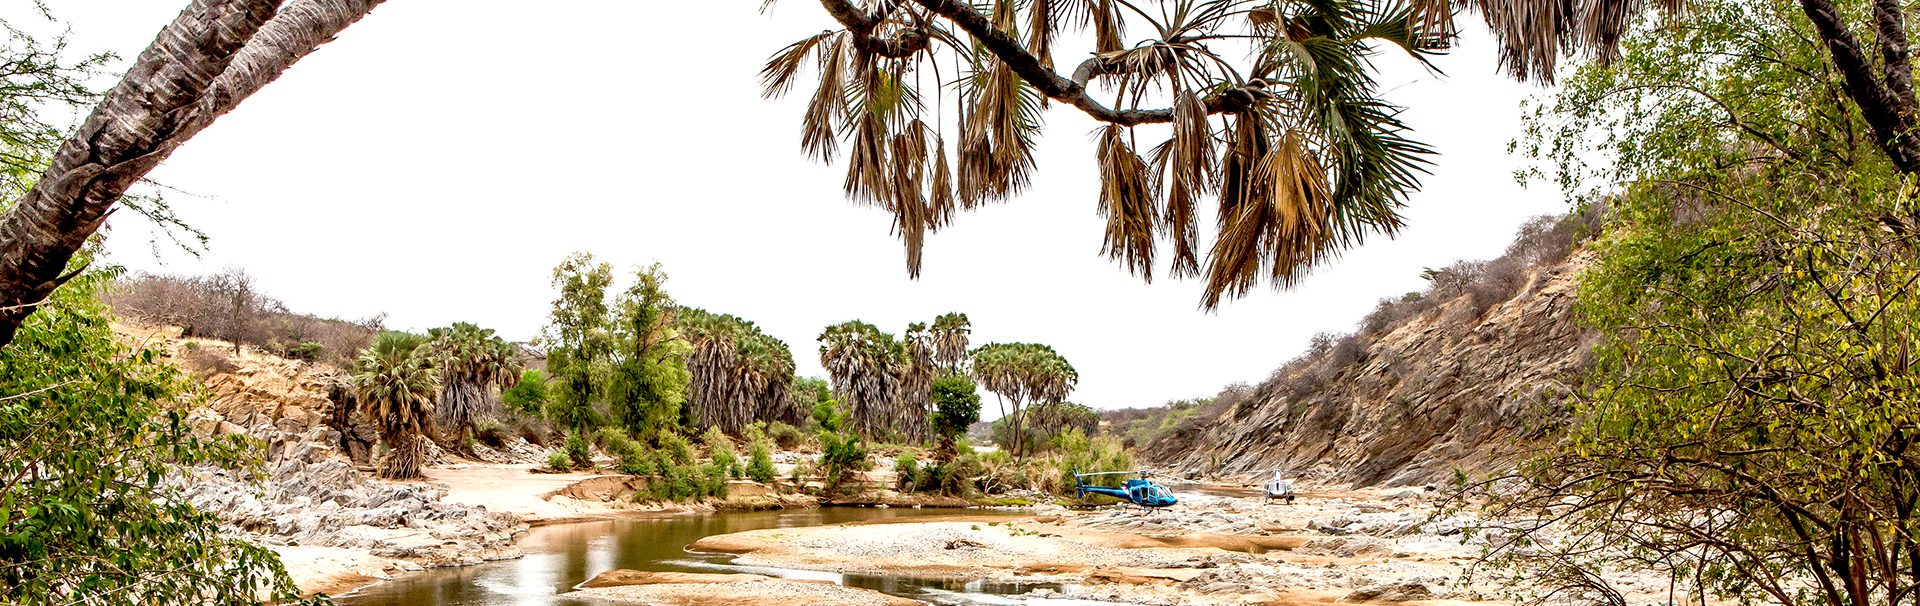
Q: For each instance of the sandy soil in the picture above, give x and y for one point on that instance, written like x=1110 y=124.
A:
x=515 y=489
x=336 y=570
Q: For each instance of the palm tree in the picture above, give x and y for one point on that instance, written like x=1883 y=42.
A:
x=950 y=334
x=859 y=360
x=473 y=364
x=739 y=374
x=396 y=384
x=1303 y=155
x=914 y=368
x=1022 y=374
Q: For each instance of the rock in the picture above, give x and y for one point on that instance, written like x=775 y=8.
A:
x=1348 y=546
x=1390 y=592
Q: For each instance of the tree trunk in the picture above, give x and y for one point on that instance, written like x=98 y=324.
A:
x=406 y=455
x=201 y=66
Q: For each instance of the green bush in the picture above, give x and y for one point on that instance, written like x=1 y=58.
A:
x=760 y=463
x=714 y=480
x=308 y=351
x=840 y=454
x=720 y=451
x=577 y=450
x=908 y=470
x=675 y=449
x=559 y=461
x=528 y=396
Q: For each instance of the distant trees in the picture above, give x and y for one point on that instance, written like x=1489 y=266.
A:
x=1022 y=374
x=739 y=374
x=396 y=382
x=229 y=307
x=886 y=382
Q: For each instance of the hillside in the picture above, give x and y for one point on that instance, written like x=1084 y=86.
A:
x=1463 y=377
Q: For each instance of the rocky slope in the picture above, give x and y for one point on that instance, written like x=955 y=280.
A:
x=314 y=489
x=1451 y=388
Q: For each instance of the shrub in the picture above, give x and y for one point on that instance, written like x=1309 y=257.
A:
x=908 y=470
x=559 y=461
x=310 y=351
x=529 y=396
x=787 y=437
x=675 y=449
x=577 y=451
x=714 y=480
x=840 y=454
x=636 y=460
x=720 y=451
x=760 y=464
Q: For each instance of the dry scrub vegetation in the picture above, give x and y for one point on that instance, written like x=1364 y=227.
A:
x=227 y=306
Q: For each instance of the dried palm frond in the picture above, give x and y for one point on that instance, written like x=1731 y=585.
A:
x=1127 y=200
x=828 y=108
x=778 y=75
x=1190 y=167
x=997 y=135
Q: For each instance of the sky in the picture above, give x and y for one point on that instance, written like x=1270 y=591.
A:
x=436 y=161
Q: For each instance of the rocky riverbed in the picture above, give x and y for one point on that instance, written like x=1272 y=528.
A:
x=1366 y=546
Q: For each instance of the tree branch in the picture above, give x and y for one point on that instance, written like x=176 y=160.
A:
x=1887 y=113
x=1032 y=70
x=202 y=65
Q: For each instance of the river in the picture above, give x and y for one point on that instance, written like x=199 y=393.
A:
x=561 y=556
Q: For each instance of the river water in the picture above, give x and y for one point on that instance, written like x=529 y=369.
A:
x=561 y=556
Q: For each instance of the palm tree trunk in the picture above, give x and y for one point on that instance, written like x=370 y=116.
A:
x=201 y=66
x=406 y=455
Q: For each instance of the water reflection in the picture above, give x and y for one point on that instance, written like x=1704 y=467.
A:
x=559 y=557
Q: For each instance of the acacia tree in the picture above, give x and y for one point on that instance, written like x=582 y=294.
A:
x=1020 y=374
x=395 y=382
x=648 y=379
x=578 y=340
x=956 y=406
x=473 y=364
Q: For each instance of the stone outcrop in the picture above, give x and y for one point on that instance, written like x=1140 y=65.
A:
x=311 y=495
x=311 y=490
x=1451 y=389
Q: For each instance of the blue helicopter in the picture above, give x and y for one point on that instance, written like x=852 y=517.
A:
x=1139 y=491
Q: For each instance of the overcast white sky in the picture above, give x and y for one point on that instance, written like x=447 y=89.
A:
x=442 y=156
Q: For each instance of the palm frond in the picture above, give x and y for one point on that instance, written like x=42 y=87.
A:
x=778 y=75
x=1127 y=200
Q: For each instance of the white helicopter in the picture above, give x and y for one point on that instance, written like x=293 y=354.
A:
x=1279 y=487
